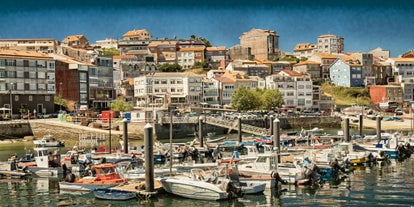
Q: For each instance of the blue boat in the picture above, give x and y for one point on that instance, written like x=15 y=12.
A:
x=113 y=194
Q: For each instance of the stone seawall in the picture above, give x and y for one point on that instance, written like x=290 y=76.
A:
x=189 y=129
x=15 y=129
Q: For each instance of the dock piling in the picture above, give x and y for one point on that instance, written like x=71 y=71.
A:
x=149 y=158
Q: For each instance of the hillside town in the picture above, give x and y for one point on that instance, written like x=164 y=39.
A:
x=85 y=76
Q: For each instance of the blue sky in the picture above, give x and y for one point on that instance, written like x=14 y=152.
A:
x=364 y=25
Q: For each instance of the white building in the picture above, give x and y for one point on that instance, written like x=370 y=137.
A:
x=295 y=87
x=329 y=43
x=165 y=89
x=403 y=69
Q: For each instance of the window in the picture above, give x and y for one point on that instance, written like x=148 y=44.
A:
x=30 y=98
x=20 y=74
x=32 y=75
x=32 y=86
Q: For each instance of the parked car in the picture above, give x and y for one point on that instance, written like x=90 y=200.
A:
x=399 y=111
x=27 y=116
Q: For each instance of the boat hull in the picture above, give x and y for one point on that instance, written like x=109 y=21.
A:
x=113 y=194
x=193 y=189
x=66 y=186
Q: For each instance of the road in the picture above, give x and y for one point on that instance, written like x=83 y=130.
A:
x=406 y=124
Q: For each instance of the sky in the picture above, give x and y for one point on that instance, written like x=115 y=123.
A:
x=364 y=25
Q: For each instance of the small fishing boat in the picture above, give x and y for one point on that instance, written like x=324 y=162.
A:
x=113 y=194
x=48 y=141
x=105 y=177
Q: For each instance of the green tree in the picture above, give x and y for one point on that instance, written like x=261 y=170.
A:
x=110 y=51
x=175 y=67
x=272 y=98
x=244 y=99
x=60 y=101
x=206 y=42
x=121 y=105
x=199 y=64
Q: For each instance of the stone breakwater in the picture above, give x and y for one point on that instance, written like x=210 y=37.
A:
x=70 y=132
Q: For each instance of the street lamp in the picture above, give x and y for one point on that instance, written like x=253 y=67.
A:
x=11 y=101
x=60 y=94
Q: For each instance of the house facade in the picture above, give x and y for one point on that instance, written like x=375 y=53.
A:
x=168 y=89
x=295 y=87
x=37 y=45
x=403 y=69
x=304 y=50
x=263 y=44
x=386 y=93
x=310 y=67
x=325 y=61
x=27 y=80
x=329 y=43
x=72 y=81
x=347 y=72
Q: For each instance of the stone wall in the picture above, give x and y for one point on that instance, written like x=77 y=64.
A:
x=15 y=130
x=181 y=130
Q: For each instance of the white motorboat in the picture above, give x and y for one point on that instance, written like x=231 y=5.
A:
x=196 y=189
x=48 y=141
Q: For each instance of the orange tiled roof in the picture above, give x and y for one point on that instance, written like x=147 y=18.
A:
x=135 y=33
x=219 y=48
x=123 y=57
x=156 y=43
x=73 y=37
x=185 y=49
x=304 y=46
x=403 y=59
x=326 y=55
x=24 y=54
x=225 y=79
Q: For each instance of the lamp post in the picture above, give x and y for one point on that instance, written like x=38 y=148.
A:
x=61 y=98
x=11 y=101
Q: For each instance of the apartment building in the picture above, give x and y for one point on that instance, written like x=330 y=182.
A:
x=304 y=50
x=329 y=43
x=37 y=45
x=168 y=89
x=163 y=51
x=188 y=56
x=135 y=42
x=347 y=72
x=386 y=93
x=325 y=61
x=27 y=80
x=263 y=44
x=382 y=73
x=380 y=53
x=295 y=87
x=215 y=56
x=107 y=43
x=403 y=69
x=78 y=41
x=211 y=92
x=72 y=81
x=250 y=68
x=310 y=67
x=101 y=83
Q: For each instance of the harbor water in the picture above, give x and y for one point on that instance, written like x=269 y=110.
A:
x=389 y=184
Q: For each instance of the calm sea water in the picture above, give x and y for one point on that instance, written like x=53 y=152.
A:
x=389 y=185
